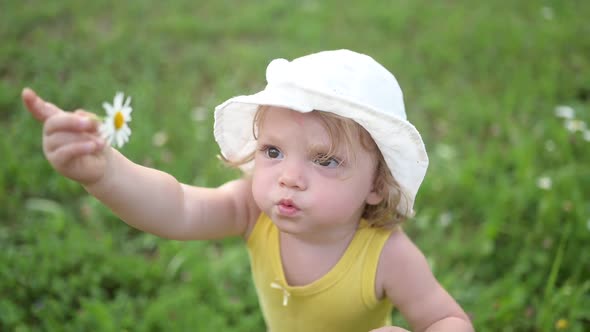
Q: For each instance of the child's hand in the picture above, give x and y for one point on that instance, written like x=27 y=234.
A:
x=71 y=142
x=390 y=329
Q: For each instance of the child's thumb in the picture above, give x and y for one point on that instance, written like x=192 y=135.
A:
x=40 y=109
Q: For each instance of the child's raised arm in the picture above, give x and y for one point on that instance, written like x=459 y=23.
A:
x=145 y=198
x=408 y=282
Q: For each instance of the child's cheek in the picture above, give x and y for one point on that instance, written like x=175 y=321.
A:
x=261 y=189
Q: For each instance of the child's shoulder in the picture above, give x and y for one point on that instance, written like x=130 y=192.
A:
x=401 y=264
x=399 y=248
x=246 y=212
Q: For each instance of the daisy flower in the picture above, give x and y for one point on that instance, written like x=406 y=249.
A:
x=544 y=182
x=574 y=125
x=564 y=111
x=114 y=127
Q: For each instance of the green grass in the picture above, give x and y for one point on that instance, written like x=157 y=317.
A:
x=481 y=82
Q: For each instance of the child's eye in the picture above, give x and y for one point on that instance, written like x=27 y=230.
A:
x=272 y=152
x=326 y=161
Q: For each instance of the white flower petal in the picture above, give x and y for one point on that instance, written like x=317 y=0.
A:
x=110 y=138
x=564 y=111
x=118 y=102
x=119 y=141
x=126 y=114
x=108 y=108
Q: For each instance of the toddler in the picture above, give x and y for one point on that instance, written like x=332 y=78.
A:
x=331 y=168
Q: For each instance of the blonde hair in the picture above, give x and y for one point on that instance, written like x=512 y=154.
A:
x=341 y=129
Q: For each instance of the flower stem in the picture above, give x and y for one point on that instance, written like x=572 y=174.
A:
x=98 y=117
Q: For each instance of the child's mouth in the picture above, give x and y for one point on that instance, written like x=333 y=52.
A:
x=286 y=207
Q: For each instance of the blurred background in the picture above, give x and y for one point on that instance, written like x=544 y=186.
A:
x=500 y=91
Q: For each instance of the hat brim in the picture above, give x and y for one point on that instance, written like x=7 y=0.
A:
x=398 y=140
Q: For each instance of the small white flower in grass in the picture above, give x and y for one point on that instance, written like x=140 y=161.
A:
x=445 y=151
x=445 y=219
x=159 y=139
x=565 y=112
x=544 y=183
x=114 y=127
x=547 y=13
x=573 y=125
x=550 y=146
x=199 y=114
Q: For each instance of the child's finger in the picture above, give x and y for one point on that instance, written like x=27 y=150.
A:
x=69 y=122
x=68 y=152
x=40 y=109
x=89 y=115
x=86 y=114
x=61 y=138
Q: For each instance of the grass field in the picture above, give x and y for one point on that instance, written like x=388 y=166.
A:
x=503 y=215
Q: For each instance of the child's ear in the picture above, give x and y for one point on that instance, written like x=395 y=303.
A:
x=374 y=198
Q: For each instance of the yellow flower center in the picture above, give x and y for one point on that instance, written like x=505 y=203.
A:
x=561 y=324
x=119 y=120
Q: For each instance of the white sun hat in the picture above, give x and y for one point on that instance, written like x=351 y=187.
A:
x=342 y=82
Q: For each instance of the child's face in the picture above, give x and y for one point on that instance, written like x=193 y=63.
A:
x=301 y=191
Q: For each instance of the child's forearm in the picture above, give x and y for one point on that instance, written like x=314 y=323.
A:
x=454 y=324
x=145 y=198
x=448 y=324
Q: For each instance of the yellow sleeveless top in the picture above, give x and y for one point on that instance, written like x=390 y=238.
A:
x=342 y=300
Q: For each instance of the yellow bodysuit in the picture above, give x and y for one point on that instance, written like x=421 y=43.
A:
x=342 y=300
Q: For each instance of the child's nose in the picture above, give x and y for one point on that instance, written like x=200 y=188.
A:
x=293 y=175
